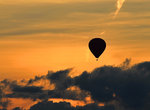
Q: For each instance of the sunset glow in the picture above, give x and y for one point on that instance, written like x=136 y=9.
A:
x=48 y=59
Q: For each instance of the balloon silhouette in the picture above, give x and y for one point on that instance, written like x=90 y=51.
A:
x=97 y=46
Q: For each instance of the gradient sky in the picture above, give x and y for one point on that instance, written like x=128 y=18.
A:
x=41 y=35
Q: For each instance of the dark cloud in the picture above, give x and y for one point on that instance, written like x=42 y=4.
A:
x=29 y=89
x=19 y=91
x=68 y=94
x=53 y=106
x=36 y=78
x=99 y=83
x=95 y=107
x=17 y=108
x=61 y=79
x=31 y=92
x=122 y=87
x=131 y=86
x=3 y=102
x=66 y=106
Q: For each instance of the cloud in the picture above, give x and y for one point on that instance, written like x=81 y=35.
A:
x=121 y=87
x=4 y=102
x=119 y=6
x=28 y=89
x=51 y=105
x=44 y=1
x=15 y=90
x=66 y=106
x=31 y=92
x=39 y=18
x=61 y=79
x=36 y=78
x=131 y=86
x=17 y=108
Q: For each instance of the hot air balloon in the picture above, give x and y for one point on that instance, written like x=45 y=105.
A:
x=97 y=46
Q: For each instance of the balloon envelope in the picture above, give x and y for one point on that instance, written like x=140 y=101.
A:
x=97 y=46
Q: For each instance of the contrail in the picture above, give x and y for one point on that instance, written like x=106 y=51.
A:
x=119 y=5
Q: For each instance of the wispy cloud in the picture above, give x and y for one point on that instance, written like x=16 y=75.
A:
x=119 y=6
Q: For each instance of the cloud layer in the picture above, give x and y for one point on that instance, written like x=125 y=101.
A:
x=118 y=87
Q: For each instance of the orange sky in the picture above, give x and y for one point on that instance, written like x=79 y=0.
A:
x=36 y=37
x=27 y=103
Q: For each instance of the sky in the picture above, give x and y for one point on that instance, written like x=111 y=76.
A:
x=37 y=36
x=45 y=61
